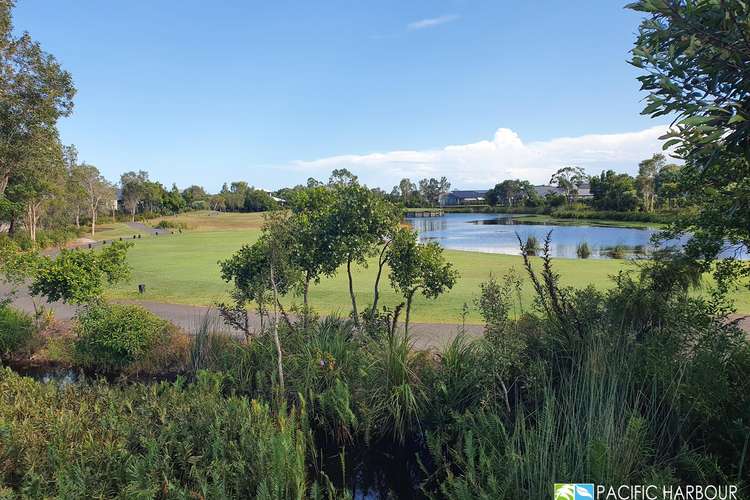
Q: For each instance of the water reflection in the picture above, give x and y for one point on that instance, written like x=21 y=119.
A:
x=499 y=233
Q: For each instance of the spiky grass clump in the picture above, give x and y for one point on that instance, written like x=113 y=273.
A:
x=583 y=251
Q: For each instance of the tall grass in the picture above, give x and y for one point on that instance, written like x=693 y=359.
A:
x=595 y=424
x=583 y=251
x=397 y=397
x=163 y=440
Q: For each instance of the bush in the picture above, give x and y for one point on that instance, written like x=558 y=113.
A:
x=113 y=336
x=16 y=330
x=583 y=251
x=531 y=247
x=618 y=252
x=168 y=224
x=140 y=441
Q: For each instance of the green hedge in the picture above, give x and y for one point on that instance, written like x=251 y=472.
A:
x=112 y=336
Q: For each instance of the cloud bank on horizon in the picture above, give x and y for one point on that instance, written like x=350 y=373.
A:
x=484 y=163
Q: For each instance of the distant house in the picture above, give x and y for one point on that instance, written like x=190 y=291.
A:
x=456 y=198
x=584 y=191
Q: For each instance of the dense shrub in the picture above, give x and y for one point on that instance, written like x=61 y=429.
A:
x=583 y=251
x=137 y=441
x=168 y=224
x=113 y=336
x=16 y=330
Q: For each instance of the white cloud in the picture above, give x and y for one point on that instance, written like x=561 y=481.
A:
x=432 y=22
x=481 y=164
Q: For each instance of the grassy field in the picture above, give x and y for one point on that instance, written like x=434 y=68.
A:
x=205 y=220
x=183 y=269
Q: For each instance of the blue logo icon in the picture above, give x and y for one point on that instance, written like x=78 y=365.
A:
x=574 y=491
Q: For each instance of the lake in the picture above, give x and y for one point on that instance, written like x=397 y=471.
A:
x=496 y=233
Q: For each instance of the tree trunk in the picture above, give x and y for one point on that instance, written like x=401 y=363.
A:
x=305 y=294
x=408 y=313
x=78 y=217
x=276 y=340
x=355 y=314
x=132 y=214
x=381 y=264
x=4 y=179
x=93 y=220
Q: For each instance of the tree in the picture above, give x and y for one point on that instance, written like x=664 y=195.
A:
x=257 y=200
x=79 y=276
x=133 y=185
x=416 y=267
x=194 y=193
x=174 y=202
x=667 y=186
x=695 y=61
x=646 y=180
x=511 y=193
x=430 y=190
x=36 y=91
x=97 y=189
x=340 y=177
x=613 y=191
x=406 y=189
x=569 y=179
x=359 y=221
x=39 y=177
x=75 y=194
x=262 y=270
x=312 y=222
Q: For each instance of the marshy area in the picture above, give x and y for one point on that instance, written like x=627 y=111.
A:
x=637 y=384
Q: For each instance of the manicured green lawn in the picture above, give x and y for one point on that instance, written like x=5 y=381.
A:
x=183 y=269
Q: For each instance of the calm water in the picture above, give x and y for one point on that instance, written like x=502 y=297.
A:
x=496 y=233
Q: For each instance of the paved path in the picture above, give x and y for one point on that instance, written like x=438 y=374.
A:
x=139 y=226
x=426 y=335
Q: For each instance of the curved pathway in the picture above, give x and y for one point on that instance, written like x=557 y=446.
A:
x=187 y=317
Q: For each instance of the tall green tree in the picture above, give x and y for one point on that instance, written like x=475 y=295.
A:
x=40 y=178
x=36 y=91
x=358 y=222
x=99 y=191
x=313 y=224
x=569 y=179
x=695 y=56
x=133 y=185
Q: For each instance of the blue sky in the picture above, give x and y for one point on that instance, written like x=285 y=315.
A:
x=274 y=92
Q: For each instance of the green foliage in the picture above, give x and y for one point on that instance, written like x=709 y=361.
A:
x=510 y=193
x=172 y=440
x=694 y=58
x=531 y=246
x=415 y=267
x=618 y=252
x=16 y=265
x=113 y=336
x=79 y=276
x=168 y=224
x=614 y=191
x=16 y=330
